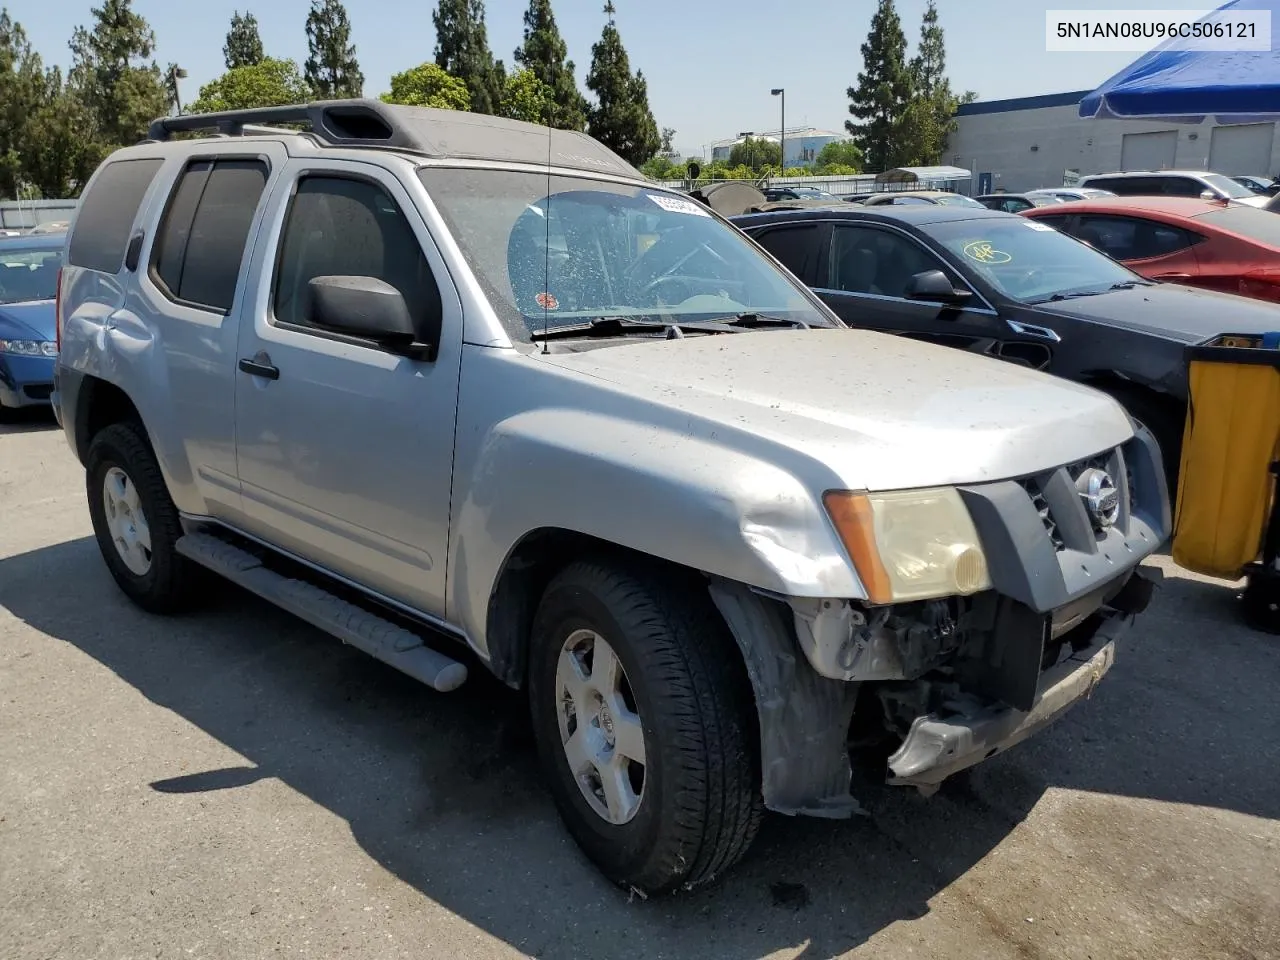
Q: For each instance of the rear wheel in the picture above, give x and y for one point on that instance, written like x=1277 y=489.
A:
x=135 y=521
x=645 y=726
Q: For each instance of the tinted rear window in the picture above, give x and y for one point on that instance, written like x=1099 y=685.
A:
x=107 y=212
x=1260 y=225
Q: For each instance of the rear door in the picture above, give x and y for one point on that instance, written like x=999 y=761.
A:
x=798 y=246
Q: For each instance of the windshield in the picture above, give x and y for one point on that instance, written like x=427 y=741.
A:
x=1029 y=261
x=813 y=193
x=600 y=249
x=28 y=272
x=957 y=200
x=1228 y=186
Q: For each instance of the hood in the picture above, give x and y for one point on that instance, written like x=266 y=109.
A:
x=881 y=412
x=1173 y=311
x=33 y=320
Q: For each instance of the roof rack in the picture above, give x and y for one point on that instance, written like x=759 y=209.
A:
x=336 y=122
x=423 y=130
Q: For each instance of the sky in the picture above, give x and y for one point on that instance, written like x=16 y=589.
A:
x=709 y=75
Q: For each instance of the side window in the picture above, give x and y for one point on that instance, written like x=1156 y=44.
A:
x=101 y=230
x=796 y=247
x=203 y=234
x=1183 y=187
x=865 y=260
x=1133 y=238
x=338 y=226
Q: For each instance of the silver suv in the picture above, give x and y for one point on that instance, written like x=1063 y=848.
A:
x=466 y=392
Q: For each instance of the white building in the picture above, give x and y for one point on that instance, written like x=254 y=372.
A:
x=1031 y=142
x=803 y=144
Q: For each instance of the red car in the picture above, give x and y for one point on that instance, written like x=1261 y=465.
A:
x=1231 y=248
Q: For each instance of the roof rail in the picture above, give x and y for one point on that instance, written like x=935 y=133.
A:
x=336 y=122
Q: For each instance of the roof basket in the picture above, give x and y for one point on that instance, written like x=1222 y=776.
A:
x=335 y=122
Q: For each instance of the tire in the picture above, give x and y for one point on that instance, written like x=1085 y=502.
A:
x=160 y=579
x=698 y=806
x=1262 y=601
x=1163 y=416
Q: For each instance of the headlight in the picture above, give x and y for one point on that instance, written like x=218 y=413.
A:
x=910 y=544
x=29 y=348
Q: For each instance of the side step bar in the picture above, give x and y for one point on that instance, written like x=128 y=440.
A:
x=390 y=643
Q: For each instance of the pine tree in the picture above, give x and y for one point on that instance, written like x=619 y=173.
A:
x=544 y=52
x=331 y=69
x=121 y=94
x=462 y=50
x=883 y=92
x=21 y=94
x=621 y=118
x=928 y=70
x=244 y=45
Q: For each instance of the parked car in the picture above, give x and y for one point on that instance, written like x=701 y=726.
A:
x=1262 y=186
x=918 y=197
x=1011 y=287
x=1068 y=194
x=1015 y=202
x=1201 y=243
x=51 y=226
x=773 y=194
x=485 y=376
x=28 y=285
x=1174 y=183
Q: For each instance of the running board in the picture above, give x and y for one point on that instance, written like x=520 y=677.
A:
x=392 y=644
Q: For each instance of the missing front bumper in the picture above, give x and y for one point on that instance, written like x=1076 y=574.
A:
x=939 y=745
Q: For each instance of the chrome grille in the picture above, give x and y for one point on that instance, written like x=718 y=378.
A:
x=1055 y=491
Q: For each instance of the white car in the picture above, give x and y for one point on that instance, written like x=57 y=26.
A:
x=1174 y=183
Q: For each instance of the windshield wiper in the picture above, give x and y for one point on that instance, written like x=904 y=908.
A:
x=623 y=327
x=1130 y=284
x=1055 y=298
x=754 y=321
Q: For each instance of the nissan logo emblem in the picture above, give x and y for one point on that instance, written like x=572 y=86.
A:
x=1101 y=498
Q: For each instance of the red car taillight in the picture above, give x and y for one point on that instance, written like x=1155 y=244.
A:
x=57 y=313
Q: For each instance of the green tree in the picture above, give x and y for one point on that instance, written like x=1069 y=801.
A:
x=839 y=153
x=543 y=51
x=756 y=153
x=668 y=136
x=621 y=118
x=462 y=51
x=662 y=167
x=22 y=93
x=525 y=97
x=268 y=83
x=244 y=44
x=114 y=77
x=928 y=126
x=428 y=86
x=332 y=70
x=884 y=89
x=58 y=159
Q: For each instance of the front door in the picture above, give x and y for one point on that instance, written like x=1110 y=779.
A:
x=868 y=272
x=345 y=450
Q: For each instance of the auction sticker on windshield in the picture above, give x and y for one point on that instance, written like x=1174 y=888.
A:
x=1042 y=227
x=982 y=251
x=678 y=205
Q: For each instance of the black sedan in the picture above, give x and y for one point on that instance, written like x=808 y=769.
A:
x=1012 y=288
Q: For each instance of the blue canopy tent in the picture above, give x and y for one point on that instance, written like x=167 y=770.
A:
x=1185 y=86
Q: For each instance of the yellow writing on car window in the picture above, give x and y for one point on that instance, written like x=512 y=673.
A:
x=982 y=251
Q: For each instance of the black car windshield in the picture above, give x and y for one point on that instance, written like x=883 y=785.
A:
x=29 y=271
x=559 y=251
x=1029 y=261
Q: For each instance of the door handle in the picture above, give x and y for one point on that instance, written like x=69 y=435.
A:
x=256 y=368
x=1173 y=276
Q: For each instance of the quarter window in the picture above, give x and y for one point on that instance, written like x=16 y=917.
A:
x=101 y=230
x=345 y=227
x=866 y=260
x=205 y=230
x=1132 y=238
x=796 y=247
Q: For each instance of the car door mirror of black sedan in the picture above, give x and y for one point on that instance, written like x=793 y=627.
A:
x=934 y=286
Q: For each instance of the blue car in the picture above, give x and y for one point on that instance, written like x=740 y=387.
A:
x=28 y=286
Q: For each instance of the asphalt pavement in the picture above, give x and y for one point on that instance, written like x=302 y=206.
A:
x=235 y=784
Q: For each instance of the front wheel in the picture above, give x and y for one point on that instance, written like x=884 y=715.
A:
x=645 y=726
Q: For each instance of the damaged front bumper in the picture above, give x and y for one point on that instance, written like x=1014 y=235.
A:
x=943 y=743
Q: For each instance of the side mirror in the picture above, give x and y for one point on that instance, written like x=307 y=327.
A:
x=933 y=286
x=370 y=308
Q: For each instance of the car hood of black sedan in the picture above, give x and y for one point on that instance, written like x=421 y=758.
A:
x=1170 y=310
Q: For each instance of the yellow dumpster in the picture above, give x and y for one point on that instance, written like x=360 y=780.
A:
x=1227 y=521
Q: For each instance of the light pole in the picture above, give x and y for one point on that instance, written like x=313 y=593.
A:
x=782 y=130
x=175 y=74
x=750 y=133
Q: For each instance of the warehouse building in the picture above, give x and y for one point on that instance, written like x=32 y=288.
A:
x=803 y=144
x=1030 y=142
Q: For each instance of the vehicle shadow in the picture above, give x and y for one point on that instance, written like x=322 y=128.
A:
x=27 y=420
x=443 y=790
